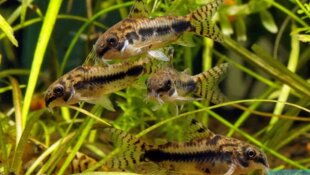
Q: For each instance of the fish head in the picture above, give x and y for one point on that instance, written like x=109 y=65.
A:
x=116 y=41
x=60 y=93
x=251 y=158
x=160 y=86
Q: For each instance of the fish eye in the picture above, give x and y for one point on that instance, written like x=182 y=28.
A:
x=167 y=85
x=112 y=41
x=250 y=153
x=58 y=91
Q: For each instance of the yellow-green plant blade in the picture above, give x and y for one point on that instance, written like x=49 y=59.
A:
x=16 y=163
x=44 y=37
x=17 y=96
x=7 y=29
x=271 y=66
x=285 y=91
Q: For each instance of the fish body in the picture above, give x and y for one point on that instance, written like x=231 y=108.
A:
x=138 y=34
x=207 y=154
x=92 y=83
x=169 y=85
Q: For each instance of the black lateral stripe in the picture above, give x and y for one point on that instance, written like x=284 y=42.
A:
x=205 y=156
x=146 y=32
x=163 y=30
x=190 y=85
x=180 y=26
x=131 y=37
x=133 y=71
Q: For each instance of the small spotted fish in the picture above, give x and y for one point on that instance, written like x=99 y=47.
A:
x=138 y=34
x=169 y=85
x=204 y=153
x=92 y=83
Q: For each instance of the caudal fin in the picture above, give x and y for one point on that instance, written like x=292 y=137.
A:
x=131 y=149
x=202 y=24
x=208 y=81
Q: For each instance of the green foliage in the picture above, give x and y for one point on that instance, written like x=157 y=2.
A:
x=266 y=43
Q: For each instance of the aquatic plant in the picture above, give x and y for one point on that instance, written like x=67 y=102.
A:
x=266 y=41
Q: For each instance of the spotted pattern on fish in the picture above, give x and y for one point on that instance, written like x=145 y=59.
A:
x=144 y=34
x=213 y=154
x=92 y=82
x=207 y=84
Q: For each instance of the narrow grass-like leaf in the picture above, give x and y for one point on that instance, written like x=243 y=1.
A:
x=47 y=153
x=26 y=23
x=268 y=21
x=292 y=65
x=306 y=11
x=39 y=19
x=17 y=98
x=246 y=114
x=104 y=160
x=247 y=70
x=293 y=135
x=304 y=38
x=151 y=128
x=241 y=29
x=7 y=29
x=44 y=37
x=288 y=12
x=207 y=54
x=4 y=152
x=271 y=66
x=16 y=163
x=9 y=72
x=8 y=88
x=90 y=115
x=23 y=11
x=89 y=123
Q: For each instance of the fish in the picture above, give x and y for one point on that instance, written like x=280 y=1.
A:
x=92 y=83
x=203 y=153
x=169 y=85
x=138 y=34
x=79 y=163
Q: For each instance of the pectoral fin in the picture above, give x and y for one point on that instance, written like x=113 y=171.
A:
x=231 y=169
x=158 y=54
x=104 y=101
x=185 y=40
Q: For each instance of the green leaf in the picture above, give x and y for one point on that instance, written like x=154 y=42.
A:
x=44 y=37
x=303 y=38
x=7 y=29
x=268 y=21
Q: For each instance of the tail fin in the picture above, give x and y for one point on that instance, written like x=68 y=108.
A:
x=207 y=84
x=131 y=149
x=201 y=21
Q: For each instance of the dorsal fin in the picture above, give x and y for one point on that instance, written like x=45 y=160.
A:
x=92 y=59
x=197 y=131
x=139 y=10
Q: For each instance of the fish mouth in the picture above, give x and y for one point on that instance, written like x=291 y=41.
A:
x=155 y=96
x=48 y=101
x=263 y=162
